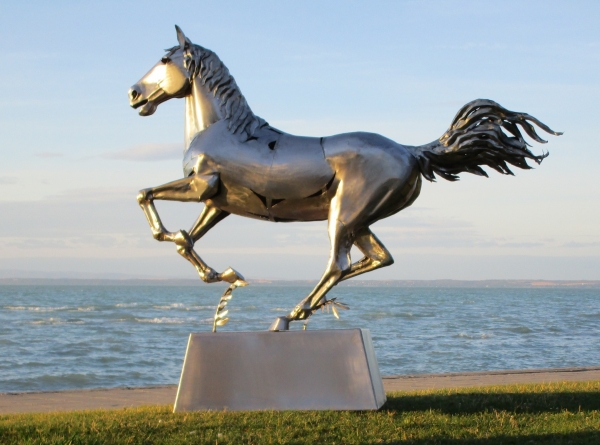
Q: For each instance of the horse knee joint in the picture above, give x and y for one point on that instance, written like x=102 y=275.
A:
x=334 y=274
x=182 y=250
x=159 y=236
x=143 y=196
x=209 y=275
x=387 y=261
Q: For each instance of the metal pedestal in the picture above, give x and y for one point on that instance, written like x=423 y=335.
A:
x=297 y=370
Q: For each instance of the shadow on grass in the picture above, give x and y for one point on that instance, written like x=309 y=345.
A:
x=584 y=438
x=475 y=402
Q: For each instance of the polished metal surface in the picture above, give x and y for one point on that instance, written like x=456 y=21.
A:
x=300 y=370
x=236 y=163
x=220 y=318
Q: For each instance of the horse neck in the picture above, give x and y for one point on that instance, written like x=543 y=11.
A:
x=201 y=110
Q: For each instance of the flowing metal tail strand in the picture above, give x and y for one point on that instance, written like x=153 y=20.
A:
x=478 y=136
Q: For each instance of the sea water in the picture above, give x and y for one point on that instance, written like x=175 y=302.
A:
x=69 y=337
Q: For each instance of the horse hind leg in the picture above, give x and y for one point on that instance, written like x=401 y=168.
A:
x=337 y=267
x=376 y=255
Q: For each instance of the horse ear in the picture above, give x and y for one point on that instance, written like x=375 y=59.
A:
x=181 y=38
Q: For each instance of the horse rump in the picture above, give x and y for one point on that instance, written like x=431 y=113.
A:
x=482 y=133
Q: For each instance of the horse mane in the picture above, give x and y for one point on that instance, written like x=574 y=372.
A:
x=212 y=72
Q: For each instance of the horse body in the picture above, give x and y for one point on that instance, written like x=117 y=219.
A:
x=280 y=177
x=236 y=163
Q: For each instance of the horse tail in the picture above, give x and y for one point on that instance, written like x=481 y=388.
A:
x=476 y=138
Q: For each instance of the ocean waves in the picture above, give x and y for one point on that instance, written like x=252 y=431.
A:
x=67 y=337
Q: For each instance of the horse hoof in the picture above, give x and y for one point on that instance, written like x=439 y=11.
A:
x=280 y=324
x=232 y=276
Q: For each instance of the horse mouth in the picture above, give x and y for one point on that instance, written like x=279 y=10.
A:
x=136 y=105
x=145 y=106
x=148 y=109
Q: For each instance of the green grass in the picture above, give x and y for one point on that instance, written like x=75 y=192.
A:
x=560 y=413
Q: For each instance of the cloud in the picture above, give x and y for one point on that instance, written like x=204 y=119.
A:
x=424 y=230
x=523 y=244
x=5 y=180
x=49 y=154
x=147 y=152
x=92 y=194
x=575 y=244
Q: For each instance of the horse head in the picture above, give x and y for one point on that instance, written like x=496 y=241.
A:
x=196 y=73
x=167 y=79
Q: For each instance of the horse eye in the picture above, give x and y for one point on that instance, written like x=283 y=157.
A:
x=165 y=60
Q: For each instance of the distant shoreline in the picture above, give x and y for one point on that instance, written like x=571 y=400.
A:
x=580 y=284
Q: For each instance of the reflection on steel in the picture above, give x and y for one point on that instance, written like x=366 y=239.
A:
x=235 y=162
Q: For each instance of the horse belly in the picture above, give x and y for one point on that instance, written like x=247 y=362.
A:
x=315 y=208
x=240 y=200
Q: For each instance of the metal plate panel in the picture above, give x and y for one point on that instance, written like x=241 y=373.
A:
x=299 y=168
x=298 y=370
x=277 y=166
x=378 y=390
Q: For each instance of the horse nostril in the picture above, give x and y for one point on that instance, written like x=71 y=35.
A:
x=134 y=92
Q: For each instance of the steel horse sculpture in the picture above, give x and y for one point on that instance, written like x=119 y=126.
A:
x=235 y=162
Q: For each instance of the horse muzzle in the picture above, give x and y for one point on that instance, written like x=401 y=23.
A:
x=135 y=96
x=147 y=105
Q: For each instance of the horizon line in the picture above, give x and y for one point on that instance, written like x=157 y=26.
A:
x=442 y=282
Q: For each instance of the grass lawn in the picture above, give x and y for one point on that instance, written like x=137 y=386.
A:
x=559 y=413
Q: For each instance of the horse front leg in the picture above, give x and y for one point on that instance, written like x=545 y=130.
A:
x=195 y=188
x=209 y=217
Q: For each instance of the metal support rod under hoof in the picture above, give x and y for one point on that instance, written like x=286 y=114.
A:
x=280 y=324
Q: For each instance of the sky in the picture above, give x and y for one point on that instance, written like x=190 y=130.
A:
x=73 y=154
